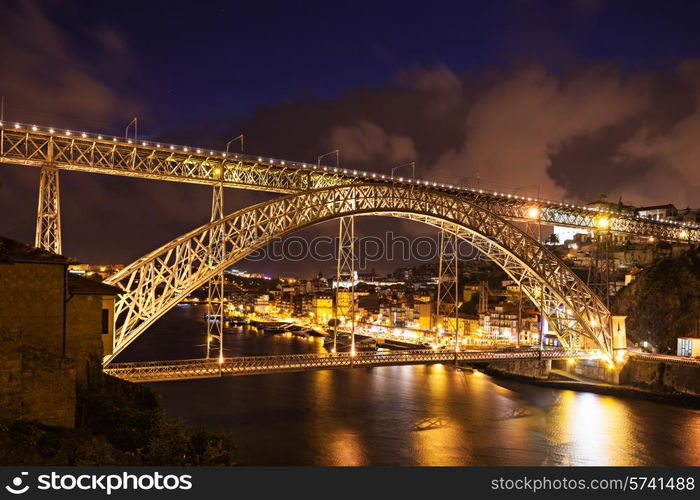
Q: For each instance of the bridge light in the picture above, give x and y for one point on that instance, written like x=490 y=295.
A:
x=172 y=147
x=217 y=171
x=67 y=132
x=16 y=125
x=683 y=234
x=114 y=139
x=185 y=149
x=221 y=359
x=83 y=135
x=533 y=213
x=51 y=131
x=602 y=223
x=651 y=239
x=143 y=143
x=34 y=128
x=99 y=137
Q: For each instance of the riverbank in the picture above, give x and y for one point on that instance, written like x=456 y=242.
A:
x=622 y=391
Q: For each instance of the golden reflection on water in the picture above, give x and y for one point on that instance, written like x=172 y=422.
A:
x=592 y=429
x=436 y=437
x=346 y=448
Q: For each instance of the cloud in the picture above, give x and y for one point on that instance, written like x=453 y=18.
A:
x=515 y=127
x=366 y=141
x=674 y=152
x=45 y=79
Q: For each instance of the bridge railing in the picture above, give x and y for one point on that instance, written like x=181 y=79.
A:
x=212 y=367
x=666 y=358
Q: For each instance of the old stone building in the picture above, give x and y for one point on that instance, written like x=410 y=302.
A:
x=54 y=327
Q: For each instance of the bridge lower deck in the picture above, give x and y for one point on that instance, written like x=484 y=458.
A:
x=158 y=371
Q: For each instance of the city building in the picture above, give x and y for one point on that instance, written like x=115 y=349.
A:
x=689 y=347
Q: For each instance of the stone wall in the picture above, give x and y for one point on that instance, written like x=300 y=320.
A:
x=48 y=388
x=532 y=368
x=31 y=300
x=83 y=336
x=10 y=374
x=34 y=384
x=661 y=376
x=595 y=369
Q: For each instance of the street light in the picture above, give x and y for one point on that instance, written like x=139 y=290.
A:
x=135 y=123
x=228 y=144
x=602 y=223
x=534 y=212
x=411 y=164
x=515 y=191
x=335 y=152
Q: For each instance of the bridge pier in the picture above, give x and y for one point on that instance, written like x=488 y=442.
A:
x=48 y=216
x=345 y=273
x=217 y=249
x=447 y=303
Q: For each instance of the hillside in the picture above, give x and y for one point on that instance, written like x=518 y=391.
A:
x=663 y=302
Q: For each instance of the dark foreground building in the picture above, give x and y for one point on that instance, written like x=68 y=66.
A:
x=54 y=329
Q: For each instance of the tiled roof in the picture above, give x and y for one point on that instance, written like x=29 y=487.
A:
x=15 y=251
x=86 y=286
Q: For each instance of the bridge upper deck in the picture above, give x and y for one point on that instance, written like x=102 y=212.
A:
x=70 y=150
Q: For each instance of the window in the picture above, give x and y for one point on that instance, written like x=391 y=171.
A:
x=105 y=321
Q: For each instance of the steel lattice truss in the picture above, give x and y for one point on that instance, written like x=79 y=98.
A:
x=25 y=146
x=48 y=218
x=345 y=270
x=217 y=252
x=153 y=371
x=156 y=282
x=447 y=304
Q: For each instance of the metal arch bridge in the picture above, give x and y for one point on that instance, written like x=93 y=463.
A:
x=61 y=149
x=156 y=282
x=159 y=371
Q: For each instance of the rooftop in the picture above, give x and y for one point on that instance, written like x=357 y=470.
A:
x=85 y=286
x=15 y=251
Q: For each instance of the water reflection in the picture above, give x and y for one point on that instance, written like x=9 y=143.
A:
x=412 y=415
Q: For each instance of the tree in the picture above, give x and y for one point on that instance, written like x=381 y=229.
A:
x=552 y=239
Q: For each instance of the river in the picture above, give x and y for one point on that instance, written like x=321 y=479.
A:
x=407 y=415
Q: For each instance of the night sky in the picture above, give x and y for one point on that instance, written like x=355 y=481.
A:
x=578 y=98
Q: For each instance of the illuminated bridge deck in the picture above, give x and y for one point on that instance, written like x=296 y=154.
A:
x=158 y=371
x=30 y=145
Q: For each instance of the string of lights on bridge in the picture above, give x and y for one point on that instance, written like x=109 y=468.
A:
x=533 y=213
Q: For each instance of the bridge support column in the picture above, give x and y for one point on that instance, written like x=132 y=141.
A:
x=48 y=217
x=217 y=249
x=345 y=276
x=447 y=310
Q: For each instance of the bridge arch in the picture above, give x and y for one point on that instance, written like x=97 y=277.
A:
x=156 y=282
